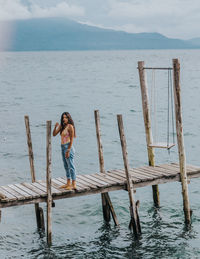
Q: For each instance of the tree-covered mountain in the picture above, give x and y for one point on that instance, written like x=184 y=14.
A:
x=64 y=34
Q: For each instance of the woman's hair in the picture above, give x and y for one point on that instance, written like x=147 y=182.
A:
x=70 y=121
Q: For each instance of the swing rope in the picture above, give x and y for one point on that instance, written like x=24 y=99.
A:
x=154 y=111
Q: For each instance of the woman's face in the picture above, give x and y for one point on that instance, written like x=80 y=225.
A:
x=65 y=119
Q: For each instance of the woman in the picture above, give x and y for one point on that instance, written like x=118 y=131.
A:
x=67 y=132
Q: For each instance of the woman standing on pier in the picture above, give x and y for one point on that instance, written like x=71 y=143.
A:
x=67 y=132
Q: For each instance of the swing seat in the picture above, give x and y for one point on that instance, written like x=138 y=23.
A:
x=162 y=145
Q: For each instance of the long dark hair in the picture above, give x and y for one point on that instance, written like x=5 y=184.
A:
x=70 y=121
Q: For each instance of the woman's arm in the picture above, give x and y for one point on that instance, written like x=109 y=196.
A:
x=71 y=134
x=56 y=130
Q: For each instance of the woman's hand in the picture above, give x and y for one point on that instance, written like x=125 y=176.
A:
x=56 y=125
x=67 y=153
x=56 y=129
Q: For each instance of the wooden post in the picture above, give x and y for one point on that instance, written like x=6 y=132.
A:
x=180 y=140
x=38 y=210
x=48 y=181
x=106 y=202
x=135 y=223
x=147 y=124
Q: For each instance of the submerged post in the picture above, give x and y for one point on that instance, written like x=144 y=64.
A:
x=106 y=202
x=147 y=124
x=48 y=180
x=38 y=210
x=180 y=140
x=135 y=222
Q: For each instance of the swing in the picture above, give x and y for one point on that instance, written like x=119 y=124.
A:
x=166 y=144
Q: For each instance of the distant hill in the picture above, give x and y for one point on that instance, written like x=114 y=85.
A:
x=195 y=41
x=64 y=34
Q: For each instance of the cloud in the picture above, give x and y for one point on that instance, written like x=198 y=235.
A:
x=14 y=9
x=174 y=18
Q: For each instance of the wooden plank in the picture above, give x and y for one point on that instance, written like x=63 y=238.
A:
x=144 y=176
x=29 y=191
x=97 y=181
x=86 y=180
x=156 y=170
x=39 y=186
x=54 y=190
x=89 y=181
x=34 y=188
x=85 y=183
x=106 y=177
x=13 y=192
x=170 y=168
x=118 y=177
x=102 y=179
x=147 y=172
x=21 y=192
x=135 y=178
x=153 y=172
x=8 y=195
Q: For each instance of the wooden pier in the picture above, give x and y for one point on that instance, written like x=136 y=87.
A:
x=128 y=179
x=87 y=184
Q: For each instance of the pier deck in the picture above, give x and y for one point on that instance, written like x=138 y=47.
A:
x=29 y=193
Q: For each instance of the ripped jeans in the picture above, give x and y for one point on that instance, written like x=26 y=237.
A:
x=69 y=162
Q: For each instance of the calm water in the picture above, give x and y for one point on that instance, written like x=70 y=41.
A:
x=43 y=85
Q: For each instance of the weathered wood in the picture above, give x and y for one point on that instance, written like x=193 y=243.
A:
x=8 y=196
x=147 y=124
x=48 y=185
x=13 y=192
x=133 y=210
x=38 y=210
x=27 y=190
x=90 y=182
x=161 y=178
x=34 y=188
x=114 y=216
x=105 y=205
x=180 y=139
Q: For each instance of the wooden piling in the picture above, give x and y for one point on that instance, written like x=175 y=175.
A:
x=106 y=202
x=48 y=181
x=38 y=211
x=135 y=222
x=147 y=124
x=180 y=140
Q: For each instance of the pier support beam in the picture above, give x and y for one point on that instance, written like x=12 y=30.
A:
x=135 y=222
x=147 y=124
x=48 y=180
x=38 y=210
x=180 y=140
x=106 y=202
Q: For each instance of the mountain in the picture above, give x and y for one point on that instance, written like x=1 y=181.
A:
x=194 y=41
x=64 y=34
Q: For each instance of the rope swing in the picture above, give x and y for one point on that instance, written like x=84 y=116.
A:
x=170 y=110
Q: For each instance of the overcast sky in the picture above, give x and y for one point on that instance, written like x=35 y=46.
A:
x=173 y=18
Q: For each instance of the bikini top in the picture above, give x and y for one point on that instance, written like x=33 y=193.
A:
x=65 y=137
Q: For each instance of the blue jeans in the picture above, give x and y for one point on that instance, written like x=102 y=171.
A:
x=69 y=162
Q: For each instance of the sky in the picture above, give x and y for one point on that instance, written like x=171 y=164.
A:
x=172 y=18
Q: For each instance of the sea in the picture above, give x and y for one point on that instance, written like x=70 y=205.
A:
x=43 y=85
